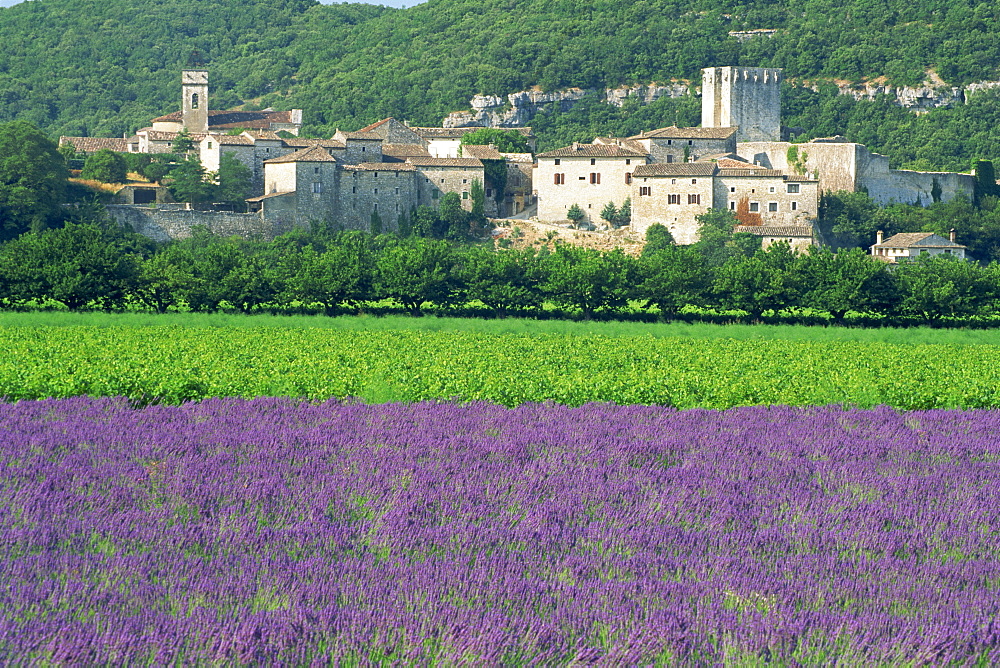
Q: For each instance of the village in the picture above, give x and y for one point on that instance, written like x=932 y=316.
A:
x=741 y=159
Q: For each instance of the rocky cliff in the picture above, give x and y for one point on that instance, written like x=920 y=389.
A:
x=517 y=109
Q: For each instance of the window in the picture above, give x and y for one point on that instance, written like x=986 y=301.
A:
x=593 y=161
x=559 y=179
x=673 y=199
x=595 y=178
x=754 y=207
x=694 y=199
x=465 y=180
x=670 y=159
x=376 y=174
x=465 y=194
x=628 y=178
x=795 y=206
x=694 y=182
x=489 y=192
x=442 y=180
x=362 y=149
x=194 y=101
x=793 y=188
x=690 y=142
x=771 y=189
x=669 y=142
x=628 y=161
x=317 y=187
x=435 y=194
x=772 y=207
x=210 y=144
x=557 y=161
x=397 y=191
x=315 y=170
x=376 y=192
x=644 y=190
x=732 y=206
x=732 y=189
x=354 y=189
x=673 y=182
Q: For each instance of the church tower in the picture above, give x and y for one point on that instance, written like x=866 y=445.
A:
x=194 y=86
x=745 y=97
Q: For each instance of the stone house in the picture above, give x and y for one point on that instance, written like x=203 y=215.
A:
x=673 y=195
x=798 y=237
x=588 y=175
x=675 y=144
x=909 y=245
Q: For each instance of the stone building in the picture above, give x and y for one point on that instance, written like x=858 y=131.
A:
x=910 y=245
x=745 y=98
x=675 y=144
x=673 y=195
x=588 y=175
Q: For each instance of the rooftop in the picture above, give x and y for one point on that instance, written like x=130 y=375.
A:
x=311 y=154
x=918 y=240
x=687 y=133
x=776 y=230
x=444 y=162
x=675 y=169
x=593 y=151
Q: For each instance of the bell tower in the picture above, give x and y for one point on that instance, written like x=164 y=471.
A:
x=194 y=91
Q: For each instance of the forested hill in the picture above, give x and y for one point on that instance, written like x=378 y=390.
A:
x=104 y=67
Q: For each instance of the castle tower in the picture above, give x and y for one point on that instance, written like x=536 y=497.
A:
x=745 y=97
x=194 y=87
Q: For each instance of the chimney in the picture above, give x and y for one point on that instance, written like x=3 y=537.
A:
x=878 y=237
x=951 y=235
x=576 y=146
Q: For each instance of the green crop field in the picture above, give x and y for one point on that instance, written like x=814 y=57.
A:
x=173 y=363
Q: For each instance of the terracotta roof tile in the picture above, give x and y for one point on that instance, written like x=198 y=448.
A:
x=776 y=230
x=300 y=142
x=94 y=144
x=687 y=133
x=311 y=154
x=675 y=169
x=593 y=151
x=268 y=196
x=404 y=151
x=917 y=239
x=481 y=152
x=235 y=119
x=752 y=172
x=381 y=167
x=369 y=136
x=445 y=162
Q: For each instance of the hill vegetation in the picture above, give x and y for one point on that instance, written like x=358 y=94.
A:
x=82 y=67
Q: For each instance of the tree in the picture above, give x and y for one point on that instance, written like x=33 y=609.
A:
x=658 y=238
x=32 y=180
x=414 y=272
x=189 y=182
x=625 y=213
x=609 y=213
x=235 y=179
x=761 y=282
x=454 y=217
x=716 y=241
x=105 y=166
x=588 y=279
x=183 y=143
x=986 y=180
x=848 y=219
x=495 y=173
x=505 y=141
x=503 y=280
x=936 y=286
x=848 y=280
x=575 y=214
x=477 y=217
x=375 y=223
x=673 y=277
x=165 y=278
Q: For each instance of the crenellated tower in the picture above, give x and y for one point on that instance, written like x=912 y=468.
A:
x=745 y=97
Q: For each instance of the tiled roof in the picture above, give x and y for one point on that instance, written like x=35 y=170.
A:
x=445 y=162
x=299 y=142
x=675 y=169
x=917 y=239
x=368 y=136
x=687 y=133
x=519 y=157
x=458 y=133
x=751 y=171
x=160 y=135
x=481 y=152
x=800 y=179
x=237 y=119
x=593 y=151
x=232 y=140
x=404 y=151
x=776 y=230
x=627 y=143
x=724 y=161
x=376 y=124
x=312 y=154
x=264 y=135
x=381 y=167
x=269 y=195
x=94 y=144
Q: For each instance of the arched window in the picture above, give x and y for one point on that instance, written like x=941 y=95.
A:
x=194 y=101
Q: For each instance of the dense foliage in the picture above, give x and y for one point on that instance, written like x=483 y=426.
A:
x=273 y=531
x=102 y=68
x=174 y=364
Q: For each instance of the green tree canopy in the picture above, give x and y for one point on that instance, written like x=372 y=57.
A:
x=106 y=166
x=505 y=141
x=32 y=180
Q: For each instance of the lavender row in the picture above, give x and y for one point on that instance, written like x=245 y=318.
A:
x=273 y=530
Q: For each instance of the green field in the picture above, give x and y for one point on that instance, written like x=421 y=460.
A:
x=172 y=359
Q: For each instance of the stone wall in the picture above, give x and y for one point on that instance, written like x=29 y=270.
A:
x=678 y=216
x=164 y=225
x=554 y=200
x=391 y=192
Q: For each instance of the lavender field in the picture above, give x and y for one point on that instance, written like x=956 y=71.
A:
x=274 y=530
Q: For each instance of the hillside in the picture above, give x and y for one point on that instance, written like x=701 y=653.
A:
x=103 y=68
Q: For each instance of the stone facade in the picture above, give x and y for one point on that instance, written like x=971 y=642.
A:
x=588 y=175
x=841 y=165
x=162 y=224
x=674 y=144
x=747 y=98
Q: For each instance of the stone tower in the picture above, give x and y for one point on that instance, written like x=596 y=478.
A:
x=194 y=85
x=745 y=97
